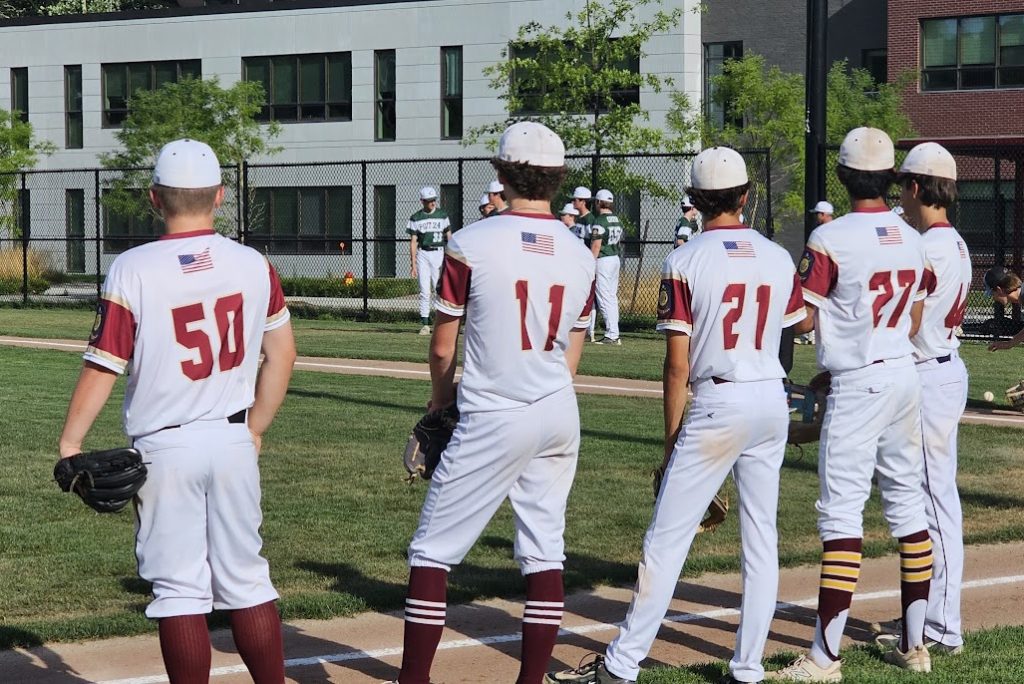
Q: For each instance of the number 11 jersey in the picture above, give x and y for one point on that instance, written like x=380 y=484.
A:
x=184 y=316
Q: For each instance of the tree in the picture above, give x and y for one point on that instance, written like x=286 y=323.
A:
x=764 y=108
x=223 y=118
x=19 y=151
x=11 y=9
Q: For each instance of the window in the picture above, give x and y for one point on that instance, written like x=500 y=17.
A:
x=302 y=220
x=121 y=81
x=316 y=87
x=23 y=215
x=627 y=208
x=73 y=138
x=124 y=232
x=451 y=93
x=876 y=63
x=451 y=202
x=384 y=231
x=74 y=226
x=384 y=94
x=972 y=53
x=19 y=92
x=715 y=56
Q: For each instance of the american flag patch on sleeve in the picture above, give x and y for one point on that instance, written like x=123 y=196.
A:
x=963 y=252
x=739 y=248
x=190 y=263
x=537 y=243
x=890 y=235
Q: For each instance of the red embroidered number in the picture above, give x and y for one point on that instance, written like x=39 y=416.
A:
x=736 y=294
x=881 y=283
x=227 y=313
x=956 y=314
x=555 y=297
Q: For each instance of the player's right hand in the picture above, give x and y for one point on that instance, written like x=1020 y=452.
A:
x=257 y=441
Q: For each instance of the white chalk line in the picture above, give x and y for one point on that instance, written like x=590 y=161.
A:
x=682 y=618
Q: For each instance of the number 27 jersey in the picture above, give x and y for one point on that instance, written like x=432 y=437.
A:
x=184 y=316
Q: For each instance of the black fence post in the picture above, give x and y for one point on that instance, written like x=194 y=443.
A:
x=999 y=249
x=239 y=170
x=769 y=225
x=243 y=204
x=99 y=244
x=24 y=229
x=366 y=259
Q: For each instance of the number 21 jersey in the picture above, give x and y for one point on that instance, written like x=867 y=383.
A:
x=185 y=317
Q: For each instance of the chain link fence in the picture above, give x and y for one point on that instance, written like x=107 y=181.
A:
x=989 y=214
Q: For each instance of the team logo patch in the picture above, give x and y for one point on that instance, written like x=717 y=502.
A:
x=665 y=298
x=97 y=325
x=806 y=264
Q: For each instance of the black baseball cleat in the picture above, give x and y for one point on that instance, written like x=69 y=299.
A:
x=593 y=672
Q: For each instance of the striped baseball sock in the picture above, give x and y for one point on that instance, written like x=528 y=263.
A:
x=915 y=581
x=425 y=609
x=185 y=646
x=257 y=635
x=840 y=568
x=545 y=601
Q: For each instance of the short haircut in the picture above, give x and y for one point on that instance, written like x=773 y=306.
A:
x=531 y=182
x=865 y=185
x=186 y=201
x=714 y=203
x=1009 y=282
x=934 y=191
x=605 y=204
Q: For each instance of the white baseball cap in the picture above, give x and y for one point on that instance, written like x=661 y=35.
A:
x=823 y=207
x=569 y=209
x=605 y=196
x=529 y=142
x=581 y=193
x=898 y=210
x=867 y=149
x=428 y=193
x=686 y=201
x=484 y=200
x=930 y=159
x=718 y=168
x=186 y=164
x=495 y=187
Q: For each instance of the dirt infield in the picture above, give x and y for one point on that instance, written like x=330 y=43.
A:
x=481 y=642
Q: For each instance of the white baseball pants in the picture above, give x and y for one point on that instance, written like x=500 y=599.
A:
x=872 y=426
x=526 y=455
x=607 y=291
x=943 y=400
x=428 y=273
x=198 y=520
x=737 y=427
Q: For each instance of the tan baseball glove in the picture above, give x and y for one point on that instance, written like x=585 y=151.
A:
x=1015 y=396
x=809 y=404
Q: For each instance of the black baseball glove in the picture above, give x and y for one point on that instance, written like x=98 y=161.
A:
x=105 y=480
x=428 y=440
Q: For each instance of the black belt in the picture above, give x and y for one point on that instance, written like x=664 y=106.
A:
x=719 y=381
x=430 y=249
x=944 y=359
x=234 y=419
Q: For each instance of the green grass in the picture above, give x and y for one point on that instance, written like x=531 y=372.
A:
x=639 y=357
x=339 y=518
x=990 y=656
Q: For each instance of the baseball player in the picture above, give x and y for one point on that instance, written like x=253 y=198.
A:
x=496 y=195
x=486 y=208
x=723 y=303
x=687 y=223
x=1003 y=286
x=861 y=273
x=429 y=230
x=823 y=212
x=186 y=317
x=606 y=236
x=568 y=216
x=524 y=286
x=581 y=197
x=928 y=183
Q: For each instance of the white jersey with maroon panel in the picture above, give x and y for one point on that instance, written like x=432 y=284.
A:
x=947 y=282
x=863 y=271
x=185 y=317
x=521 y=282
x=732 y=292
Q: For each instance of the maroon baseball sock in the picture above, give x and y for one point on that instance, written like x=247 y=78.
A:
x=185 y=645
x=545 y=601
x=257 y=634
x=425 y=608
x=915 y=581
x=840 y=569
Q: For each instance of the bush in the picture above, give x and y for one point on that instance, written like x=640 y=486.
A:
x=12 y=269
x=9 y=286
x=378 y=288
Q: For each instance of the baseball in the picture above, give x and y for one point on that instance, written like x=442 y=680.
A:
x=989 y=396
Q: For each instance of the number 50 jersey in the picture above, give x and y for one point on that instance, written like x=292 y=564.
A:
x=732 y=291
x=185 y=317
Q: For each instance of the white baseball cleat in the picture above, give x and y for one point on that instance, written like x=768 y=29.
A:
x=916 y=659
x=804 y=669
x=425 y=330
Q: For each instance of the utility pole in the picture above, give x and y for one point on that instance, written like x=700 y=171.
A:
x=814 y=157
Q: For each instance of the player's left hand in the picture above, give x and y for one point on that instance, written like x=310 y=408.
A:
x=1000 y=345
x=257 y=441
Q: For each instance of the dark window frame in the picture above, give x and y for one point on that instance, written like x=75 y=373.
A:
x=74 y=230
x=73 y=115
x=137 y=230
x=385 y=104
x=451 y=102
x=958 y=71
x=113 y=117
x=451 y=201
x=385 y=232
x=333 y=106
x=19 y=92
x=711 y=111
x=868 y=56
x=332 y=205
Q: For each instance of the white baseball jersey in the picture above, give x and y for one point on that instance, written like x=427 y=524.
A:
x=185 y=317
x=862 y=271
x=947 y=280
x=523 y=282
x=732 y=291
